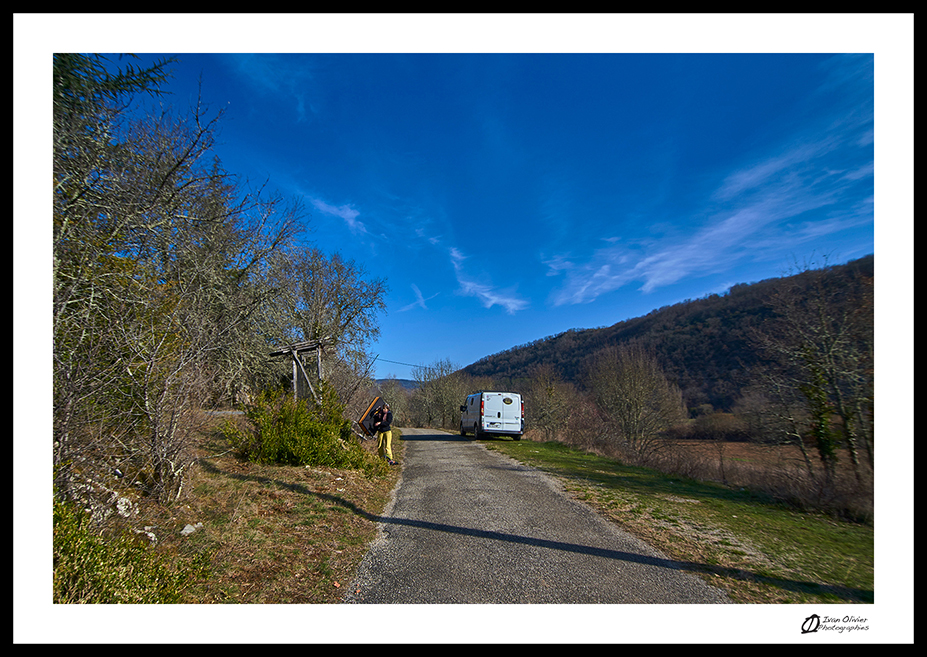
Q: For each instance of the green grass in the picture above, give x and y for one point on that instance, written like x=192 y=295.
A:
x=267 y=533
x=757 y=549
x=90 y=569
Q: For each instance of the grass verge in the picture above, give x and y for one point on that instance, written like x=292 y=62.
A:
x=756 y=549
x=274 y=534
x=285 y=534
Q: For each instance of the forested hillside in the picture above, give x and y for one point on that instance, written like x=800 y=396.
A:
x=704 y=345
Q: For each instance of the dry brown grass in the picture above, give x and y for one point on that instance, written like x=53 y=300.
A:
x=273 y=534
x=778 y=470
x=289 y=535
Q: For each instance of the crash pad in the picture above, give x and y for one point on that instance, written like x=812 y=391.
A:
x=366 y=420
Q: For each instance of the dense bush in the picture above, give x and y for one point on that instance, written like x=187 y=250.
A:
x=725 y=427
x=92 y=568
x=299 y=432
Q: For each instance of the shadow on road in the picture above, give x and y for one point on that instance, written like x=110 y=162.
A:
x=446 y=436
x=787 y=584
x=435 y=437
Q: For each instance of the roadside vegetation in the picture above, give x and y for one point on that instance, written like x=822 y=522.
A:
x=116 y=566
x=288 y=533
x=248 y=531
x=180 y=289
x=287 y=431
x=757 y=548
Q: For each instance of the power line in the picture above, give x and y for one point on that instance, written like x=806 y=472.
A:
x=396 y=362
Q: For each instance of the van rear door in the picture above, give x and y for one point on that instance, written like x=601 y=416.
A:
x=502 y=412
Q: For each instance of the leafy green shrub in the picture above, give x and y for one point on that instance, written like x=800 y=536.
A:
x=89 y=568
x=295 y=432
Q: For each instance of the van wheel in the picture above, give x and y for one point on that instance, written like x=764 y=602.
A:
x=516 y=437
x=476 y=432
x=462 y=432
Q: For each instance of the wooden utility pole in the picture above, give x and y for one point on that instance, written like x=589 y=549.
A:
x=294 y=351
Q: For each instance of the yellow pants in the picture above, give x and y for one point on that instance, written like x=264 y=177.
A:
x=384 y=438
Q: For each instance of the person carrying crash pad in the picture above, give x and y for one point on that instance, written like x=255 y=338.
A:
x=382 y=424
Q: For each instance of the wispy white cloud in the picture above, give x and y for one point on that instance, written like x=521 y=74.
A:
x=421 y=233
x=768 y=171
x=420 y=300
x=345 y=212
x=801 y=193
x=487 y=293
x=779 y=203
x=279 y=76
x=558 y=264
x=764 y=225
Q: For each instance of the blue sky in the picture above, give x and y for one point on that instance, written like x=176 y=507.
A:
x=621 y=183
x=509 y=197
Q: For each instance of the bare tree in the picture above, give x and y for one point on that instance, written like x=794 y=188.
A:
x=439 y=393
x=334 y=301
x=636 y=400
x=157 y=261
x=549 y=400
x=775 y=413
x=821 y=341
x=398 y=398
x=338 y=301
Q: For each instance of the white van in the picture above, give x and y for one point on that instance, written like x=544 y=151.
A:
x=496 y=413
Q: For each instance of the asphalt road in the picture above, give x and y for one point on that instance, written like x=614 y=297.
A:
x=471 y=526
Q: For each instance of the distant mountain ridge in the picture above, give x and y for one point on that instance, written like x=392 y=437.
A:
x=407 y=384
x=703 y=343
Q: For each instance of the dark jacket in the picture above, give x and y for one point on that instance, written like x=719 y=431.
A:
x=382 y=421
